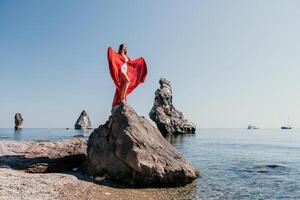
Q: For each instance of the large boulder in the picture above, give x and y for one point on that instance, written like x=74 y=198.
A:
x=43 y=156
x=168 y=120
x=83 y=122
x=129 y=149
x=18 y=121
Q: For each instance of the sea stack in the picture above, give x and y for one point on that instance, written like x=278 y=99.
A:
x=168 y=120
x=129 y=149
x=83 y=121
x=18 y=121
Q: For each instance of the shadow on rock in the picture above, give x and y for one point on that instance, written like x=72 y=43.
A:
x=42 y=164
x=43 y=156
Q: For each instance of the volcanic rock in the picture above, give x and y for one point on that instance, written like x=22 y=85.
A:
x=83 y=121
x=168 y=120
x=18 y=121
x=129 y=149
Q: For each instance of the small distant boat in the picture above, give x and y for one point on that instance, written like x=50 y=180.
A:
x=252 y=127
x=288 y=125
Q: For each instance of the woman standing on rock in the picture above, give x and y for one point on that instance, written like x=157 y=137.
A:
x=127 y=74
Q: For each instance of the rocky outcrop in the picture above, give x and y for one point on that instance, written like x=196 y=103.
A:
x=83 y=121
x=168 y=120
x=129 y=149
x=18 y=121
x=40 y=156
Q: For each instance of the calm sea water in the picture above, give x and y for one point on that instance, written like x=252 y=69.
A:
x=41 y=134
x=234 y=163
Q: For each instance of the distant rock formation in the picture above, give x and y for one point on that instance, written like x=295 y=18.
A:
x=40 y=157
x=83 y=121
x=18 y=121
x=168 y=120
x=129 y=149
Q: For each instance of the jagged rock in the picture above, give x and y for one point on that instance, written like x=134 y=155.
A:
x=83 y=121
x=129 y=149
x=43 y=156
x=18 y=121
x=168 y=120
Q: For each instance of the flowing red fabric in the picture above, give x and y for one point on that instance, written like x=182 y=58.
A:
x=136 y=72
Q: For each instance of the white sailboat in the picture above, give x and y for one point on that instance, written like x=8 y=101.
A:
x=288 y=125
x=252 y=127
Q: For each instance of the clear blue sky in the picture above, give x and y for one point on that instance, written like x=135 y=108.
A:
x=231 y=62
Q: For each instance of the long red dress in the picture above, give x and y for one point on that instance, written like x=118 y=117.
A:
x=136 y=72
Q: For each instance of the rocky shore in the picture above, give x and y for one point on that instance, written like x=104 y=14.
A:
x=125 y=158
x=20 y=178
x=18 y=185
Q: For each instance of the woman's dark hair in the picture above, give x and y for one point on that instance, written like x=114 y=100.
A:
x=121 y=47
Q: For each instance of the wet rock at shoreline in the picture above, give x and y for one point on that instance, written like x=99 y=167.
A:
x=43 y=156
x=129 y=149
x=83 y=121
x=168 y=120
x=18 y=121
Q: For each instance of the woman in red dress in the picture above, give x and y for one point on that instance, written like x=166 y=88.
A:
x=127 y=74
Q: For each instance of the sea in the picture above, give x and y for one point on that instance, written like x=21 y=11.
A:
x=233 y=163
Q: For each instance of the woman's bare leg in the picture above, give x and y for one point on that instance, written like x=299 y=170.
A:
x=124 y=90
